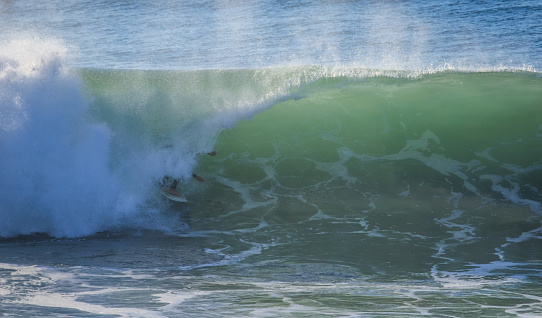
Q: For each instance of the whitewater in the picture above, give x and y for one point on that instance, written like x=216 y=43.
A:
x=373 y=159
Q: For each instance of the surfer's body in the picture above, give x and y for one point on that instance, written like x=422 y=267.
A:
x=170 y=191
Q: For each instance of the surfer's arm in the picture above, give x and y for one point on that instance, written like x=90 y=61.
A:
x=200 y=179
x=212 y=153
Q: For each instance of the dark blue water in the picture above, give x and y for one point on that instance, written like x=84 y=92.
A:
x=208 y=34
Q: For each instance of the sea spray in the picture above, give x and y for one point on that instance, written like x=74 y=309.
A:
x=55 y=176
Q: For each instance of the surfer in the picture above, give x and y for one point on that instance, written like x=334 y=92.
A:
x=175 y=182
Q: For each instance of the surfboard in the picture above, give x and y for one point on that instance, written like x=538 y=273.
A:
x=173 y=195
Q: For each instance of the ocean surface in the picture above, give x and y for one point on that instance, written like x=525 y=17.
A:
x=374 y=158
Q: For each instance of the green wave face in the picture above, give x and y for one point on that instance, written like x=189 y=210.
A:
x=403 y=166
x=446 y=129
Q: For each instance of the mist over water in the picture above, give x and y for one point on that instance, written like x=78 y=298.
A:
x=52 y=157
x=61 y=171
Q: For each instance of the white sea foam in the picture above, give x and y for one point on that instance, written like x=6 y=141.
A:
x=56 y=176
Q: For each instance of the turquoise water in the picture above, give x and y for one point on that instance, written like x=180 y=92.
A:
x=390 y=166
